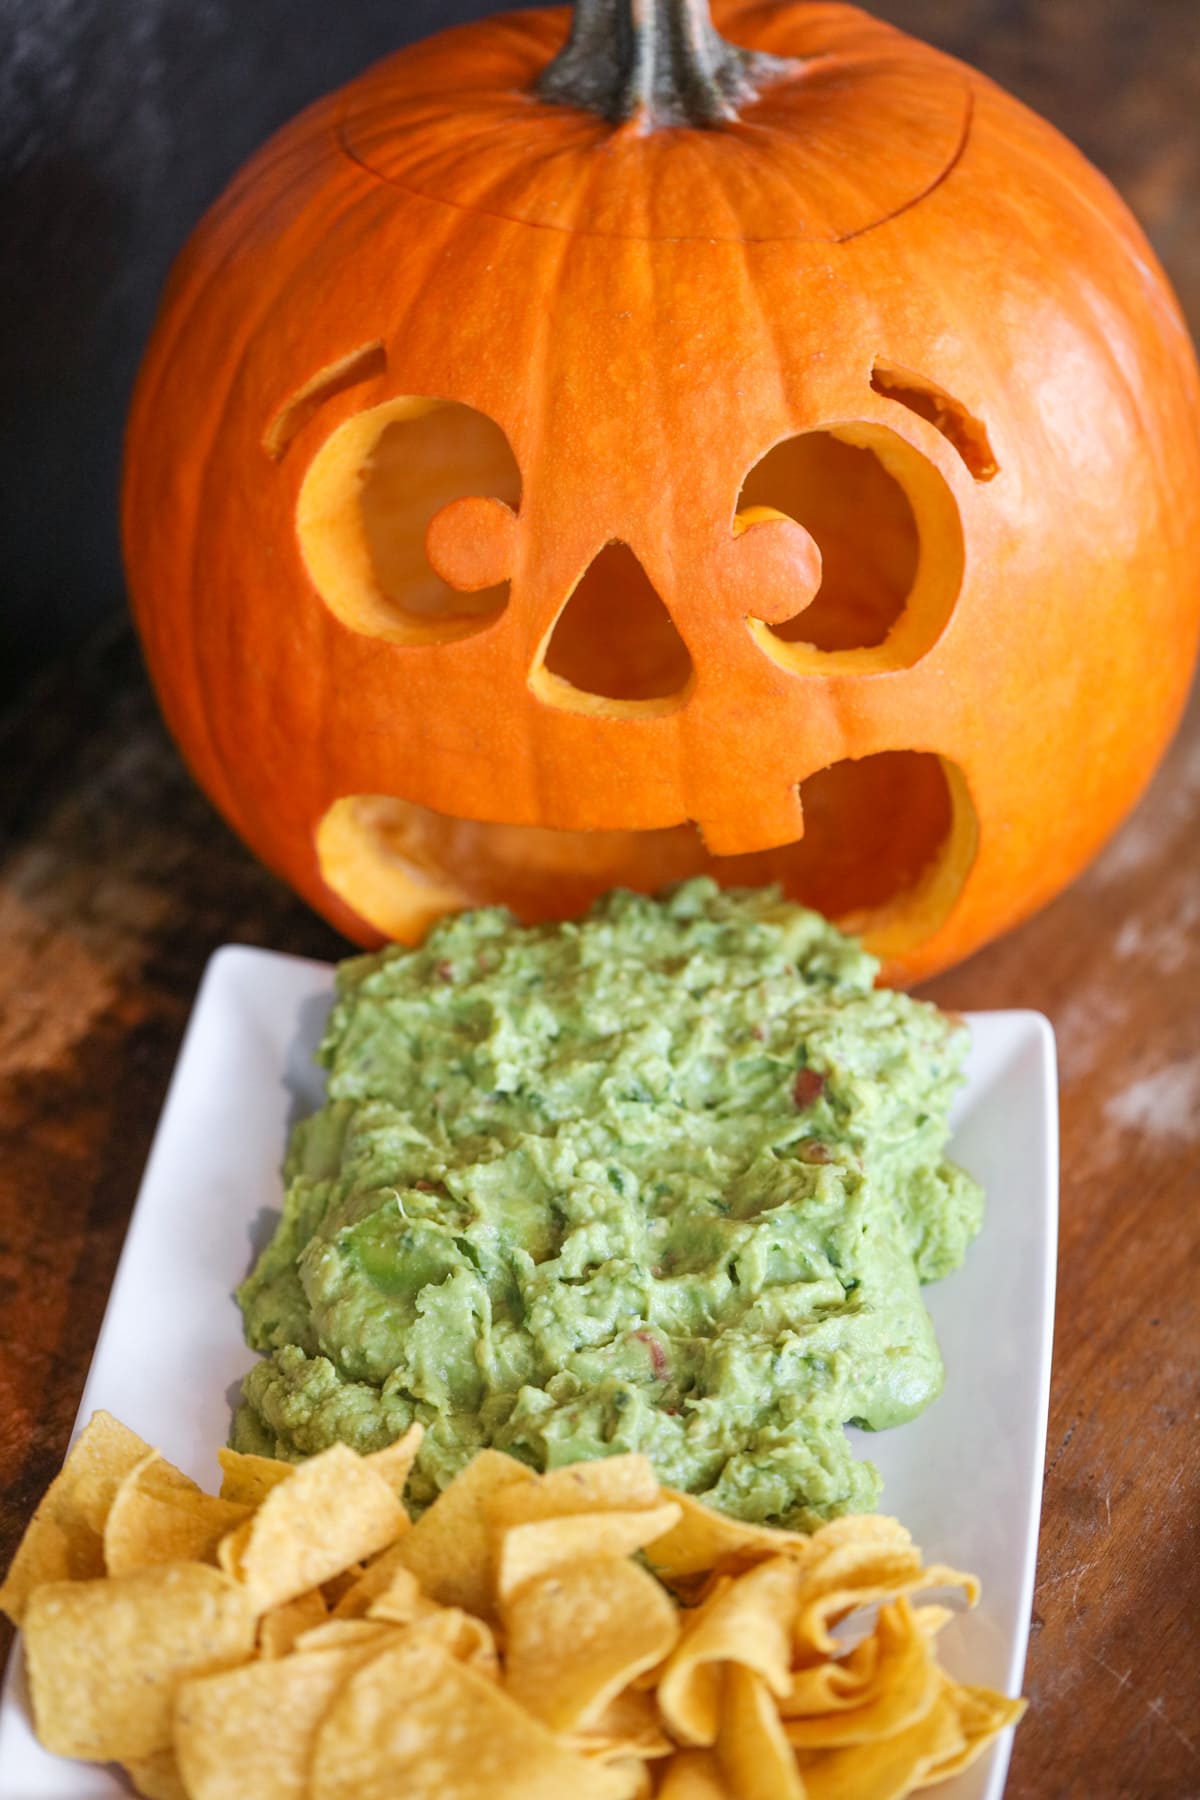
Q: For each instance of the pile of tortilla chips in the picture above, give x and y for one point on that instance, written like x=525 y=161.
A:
x=580 y=1635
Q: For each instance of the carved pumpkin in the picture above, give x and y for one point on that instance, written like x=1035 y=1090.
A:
x=799 y=480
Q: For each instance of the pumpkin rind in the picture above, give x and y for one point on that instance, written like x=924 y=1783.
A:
x=638 y=373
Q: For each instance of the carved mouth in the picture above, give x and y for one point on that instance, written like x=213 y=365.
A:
x=889 y=841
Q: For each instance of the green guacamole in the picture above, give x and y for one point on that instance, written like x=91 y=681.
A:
x=667 y=1179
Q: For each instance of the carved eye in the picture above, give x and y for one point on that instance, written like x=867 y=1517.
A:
x=861 y=521
x=889 y=537
x=406 y=516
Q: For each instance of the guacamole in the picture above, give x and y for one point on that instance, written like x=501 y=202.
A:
x=665 y=1179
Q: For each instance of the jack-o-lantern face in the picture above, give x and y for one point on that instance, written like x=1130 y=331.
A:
x=534 y=539
x=413 y=531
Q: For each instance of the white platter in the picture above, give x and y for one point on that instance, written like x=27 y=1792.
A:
x=966 y=1477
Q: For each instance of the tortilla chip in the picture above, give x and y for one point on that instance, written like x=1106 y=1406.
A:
x=903 y=1686
x=705 y=1540
x=279 y=1628
x=331 y=1512
x=755 y=1757
x=932 y=1618
x=449 y=1549
x=887 y=1768
x=857 y=1529
x=157 y=1777
x=634 y=1773
x=831 y=1686
x=64 y=1541
x=378 y=1671
x=456 y=1736
x=345 y=1634
x=334 y=1590
x=231 y=1548
x=982 y=1716
x=628 y=1726
x=841 y=1584
x=611 y=1484
x=464 y=1637
x=395 y=1595
x=694 y=1775
x=523 y=1552
x=395 y=1462
x=747 y=1620
x=384 y=1575
x=574 y=1639
x=105 y=1657
x=159 y=1515
x=249 y=1479
x=249 y=1735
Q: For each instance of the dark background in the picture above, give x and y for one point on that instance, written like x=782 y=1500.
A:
x=120 y=120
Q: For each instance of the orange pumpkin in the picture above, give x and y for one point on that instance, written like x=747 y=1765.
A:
x=520 y=502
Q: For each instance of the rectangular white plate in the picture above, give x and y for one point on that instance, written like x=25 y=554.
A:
x=966 y=1477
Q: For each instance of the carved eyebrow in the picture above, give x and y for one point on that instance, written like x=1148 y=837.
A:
x=967 y=434
x=363 y=364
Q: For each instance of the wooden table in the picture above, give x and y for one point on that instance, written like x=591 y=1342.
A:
x=117 y=881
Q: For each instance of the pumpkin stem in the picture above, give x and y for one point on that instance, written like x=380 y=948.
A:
x=661 y=62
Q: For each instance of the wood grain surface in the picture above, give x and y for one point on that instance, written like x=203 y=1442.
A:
x=117 y=881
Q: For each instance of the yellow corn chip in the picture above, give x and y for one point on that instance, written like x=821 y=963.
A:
x=756 y=1759
x=523 y=1552
x=904 y=1685
x=331 y=1512
x=249 y=1735
x=634 y=1773
x=887 y=1768
x=157 y=1777
x=465 y=1637
x=612 y=1484
x=704 y=1540
x=417 y=1723
x=105 y=1657
x=694 y=1775
x=574 y=1639
x=378 y=1672
x=343 y=1634
x=64 y=1541
x=279 y=1628
x=747 y=1620
x=628 y=1726
x=859 y=1529
x=398 y=1597
x=836 y=1587
x=159 y=1515
x=448 y=1549
x=982 y=1716
x=382 y=1573
x=334 y=1590
x=395 y=1462
x=249 y=1479
x=231 y=1547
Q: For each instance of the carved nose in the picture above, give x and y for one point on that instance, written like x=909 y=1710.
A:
x=613 y=640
